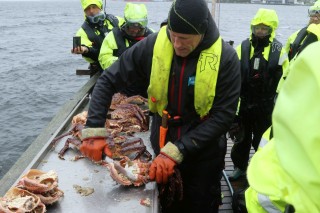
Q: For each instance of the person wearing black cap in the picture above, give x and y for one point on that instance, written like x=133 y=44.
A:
x=193 y=75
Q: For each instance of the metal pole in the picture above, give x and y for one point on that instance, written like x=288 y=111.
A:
x=227 y=181
x=213 y=9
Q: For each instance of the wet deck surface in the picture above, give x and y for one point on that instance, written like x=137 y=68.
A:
x=236 y=185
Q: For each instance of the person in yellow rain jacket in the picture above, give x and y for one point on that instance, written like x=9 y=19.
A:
x=286 y=171
x=302 y=38
x=295 y=40
x=121 y=38
x=263 y=61
x=133 y=30
x=93 y=30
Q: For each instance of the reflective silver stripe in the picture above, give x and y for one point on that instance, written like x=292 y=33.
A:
x=263 y=142
x=282 y=58
x=266 y=204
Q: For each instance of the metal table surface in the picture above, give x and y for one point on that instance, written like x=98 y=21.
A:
x=108 y=196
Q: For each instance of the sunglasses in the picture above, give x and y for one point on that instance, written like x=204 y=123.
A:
x=313 y=12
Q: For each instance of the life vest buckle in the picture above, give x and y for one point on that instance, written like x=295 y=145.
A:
x=175 y=121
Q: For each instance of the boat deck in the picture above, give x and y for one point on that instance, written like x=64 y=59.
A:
x=237 y=185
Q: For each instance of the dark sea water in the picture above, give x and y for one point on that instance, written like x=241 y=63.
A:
x=37 y=70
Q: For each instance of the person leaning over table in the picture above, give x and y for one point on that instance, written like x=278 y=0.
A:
x=93 y=30
x=195 y=76
x=263 y=61
x=284 y=175
x=134 y=29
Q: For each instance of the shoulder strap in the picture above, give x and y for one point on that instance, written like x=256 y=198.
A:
x=113 y=20
x=148 y=32
x=310 y=38
x=93 y=37
x=271 y=132
x=120 y=40
x=294 y=47
x=274 y=54
x=245 y=59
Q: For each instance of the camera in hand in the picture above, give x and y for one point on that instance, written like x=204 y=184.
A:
x=76 y=41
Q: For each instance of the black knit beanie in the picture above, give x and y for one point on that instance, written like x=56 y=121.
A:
x=188 y=16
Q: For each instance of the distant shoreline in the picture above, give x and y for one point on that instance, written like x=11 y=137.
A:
x=209 y=1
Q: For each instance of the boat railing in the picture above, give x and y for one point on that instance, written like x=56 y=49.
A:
x=41 y=145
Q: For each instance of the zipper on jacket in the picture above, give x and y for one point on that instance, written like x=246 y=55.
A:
x=172 y=88
x=180 y=93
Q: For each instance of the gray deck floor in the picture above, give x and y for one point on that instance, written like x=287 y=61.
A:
x=239 y=184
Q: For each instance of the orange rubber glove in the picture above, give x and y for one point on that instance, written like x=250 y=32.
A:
x=161 y=168
x=93 y=148
x=163 y=165
x=94 y=143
